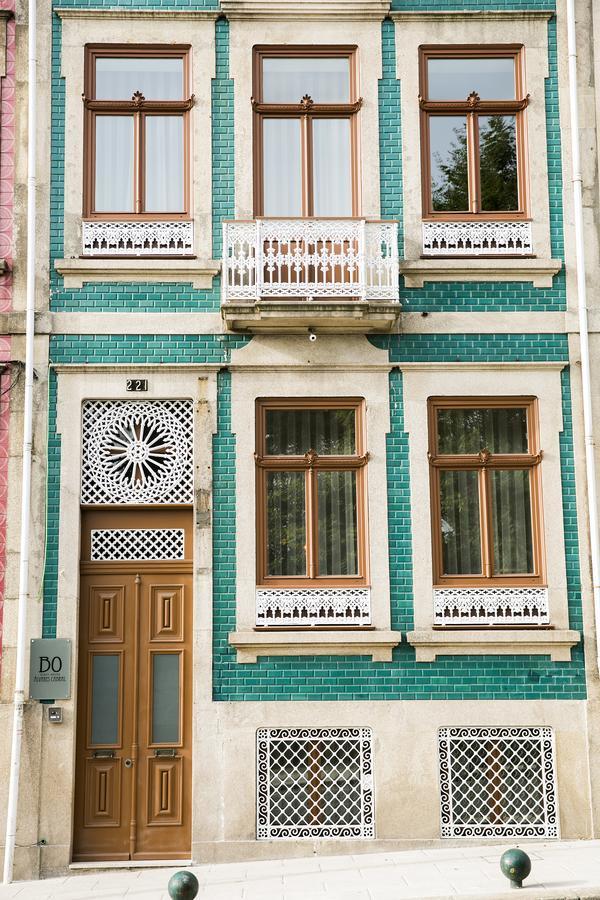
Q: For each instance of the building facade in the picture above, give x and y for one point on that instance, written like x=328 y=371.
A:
x=310 y=461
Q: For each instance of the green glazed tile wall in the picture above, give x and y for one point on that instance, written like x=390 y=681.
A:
x=355 y=678
x=118 y=348
x=474 y=5
x=390 y=133
x=144 y=297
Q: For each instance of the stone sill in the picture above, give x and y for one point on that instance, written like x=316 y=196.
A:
x=376 y=644
x=294 y=316
x=555 y=643
x=140 y=268
x=476 y=268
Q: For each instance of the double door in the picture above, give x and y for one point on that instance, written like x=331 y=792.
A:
x=133 y=766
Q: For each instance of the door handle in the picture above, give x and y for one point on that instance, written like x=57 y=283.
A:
x=128 y=763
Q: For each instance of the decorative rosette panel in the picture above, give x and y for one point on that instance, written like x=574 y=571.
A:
x=137 y=452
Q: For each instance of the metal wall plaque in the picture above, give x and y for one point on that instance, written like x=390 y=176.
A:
x=50 y=669
x=137 y=384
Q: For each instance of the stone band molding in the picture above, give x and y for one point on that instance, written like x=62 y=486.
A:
x=305 y=9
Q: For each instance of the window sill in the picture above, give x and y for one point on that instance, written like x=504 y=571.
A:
x=477 y=268
x=555 y=643
x=376 y=644
x=91 y=269
x=293 y=315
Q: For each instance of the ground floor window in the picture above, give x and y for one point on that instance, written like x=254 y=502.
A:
x=314 y=782
x=498 y=782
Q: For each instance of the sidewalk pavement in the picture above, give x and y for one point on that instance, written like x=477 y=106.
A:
x=561 y=869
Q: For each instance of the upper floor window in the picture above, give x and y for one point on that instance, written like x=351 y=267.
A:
x=305 y=132
x=311 y=492
x=486 y=508
x=137 y=104
x=473 y=132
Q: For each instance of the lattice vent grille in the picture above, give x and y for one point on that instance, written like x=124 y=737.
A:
x=498 y=782
x=137 y=544
x=137 y=451
x=314 y=782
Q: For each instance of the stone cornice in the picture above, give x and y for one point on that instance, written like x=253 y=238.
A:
x=276 y=10
x=114 y=13
x=489 y=14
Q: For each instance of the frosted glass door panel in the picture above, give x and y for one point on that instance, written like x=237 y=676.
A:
x=331 y=166
x=165 y=698
x=105 y=698
x=114 y=164
x=282 y=167
x=164 y=164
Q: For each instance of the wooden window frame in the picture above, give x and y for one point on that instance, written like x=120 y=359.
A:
x=472 y=107
x=311 y=463
x=139 y=108
x=483 y=462
x=305 y=110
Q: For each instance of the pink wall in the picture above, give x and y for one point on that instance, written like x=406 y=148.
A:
x=7 y=178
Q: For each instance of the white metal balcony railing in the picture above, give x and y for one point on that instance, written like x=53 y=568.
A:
x=102 y=238
x=311 y=259
x=285 y=607
x=477 y=238
x=491 y=606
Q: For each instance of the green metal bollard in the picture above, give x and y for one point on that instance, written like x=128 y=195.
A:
x=183 y=886
x=516 y=865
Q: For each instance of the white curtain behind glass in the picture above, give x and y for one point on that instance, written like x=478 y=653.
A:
x=114 y=164
x=164 y=164
x=331 y=167
x=282 y=167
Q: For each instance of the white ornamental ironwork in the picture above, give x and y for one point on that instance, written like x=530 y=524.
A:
x=123 y=544
x=282 y=607
x=497 y=783
x=101 y=238
x=310 y=259
x=314 y=783
x=137 y=451
x=491 y=606
x=477 y=238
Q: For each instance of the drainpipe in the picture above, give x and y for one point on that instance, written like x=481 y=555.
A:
x=583 y=321
x=19 y=694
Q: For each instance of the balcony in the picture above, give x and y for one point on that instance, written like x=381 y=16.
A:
x=295 y=274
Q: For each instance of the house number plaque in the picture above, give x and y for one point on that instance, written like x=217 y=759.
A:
x=137 y=384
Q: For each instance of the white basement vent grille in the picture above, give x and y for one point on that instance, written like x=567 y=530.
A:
x=137 y=451
x=498 y=782
x=136 y=544
x=314 y=783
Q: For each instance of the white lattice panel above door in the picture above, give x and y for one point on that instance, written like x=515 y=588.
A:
x=137 y=451
x=131 y=544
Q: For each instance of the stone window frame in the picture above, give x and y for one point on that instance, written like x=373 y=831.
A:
x=530 y=30
x=542 y=380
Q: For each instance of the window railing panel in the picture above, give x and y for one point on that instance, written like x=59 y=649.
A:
x=314 y=783
x=287 y=607
x=310 y=259
x=141 y=238
x=498 y=782
x=477 y=238
x=491 y=606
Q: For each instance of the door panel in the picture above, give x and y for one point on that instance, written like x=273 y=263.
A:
x=133 y=767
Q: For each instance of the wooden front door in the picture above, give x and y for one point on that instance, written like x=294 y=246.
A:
x=134 y=766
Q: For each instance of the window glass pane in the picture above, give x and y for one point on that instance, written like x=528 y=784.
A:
x=282 y=167
x=118 y=78
x=449 y=165
x=471 y=430
x=292 y=432
x=165 y=698
x=105 y=698
x=286 y=523
x=498 y=163
x=460 y=526
x=336 y=492
x=332 y=177
x=511 y=521
x=289 y=79
x=455 y=79
x=114 y=164
x=164 y=164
